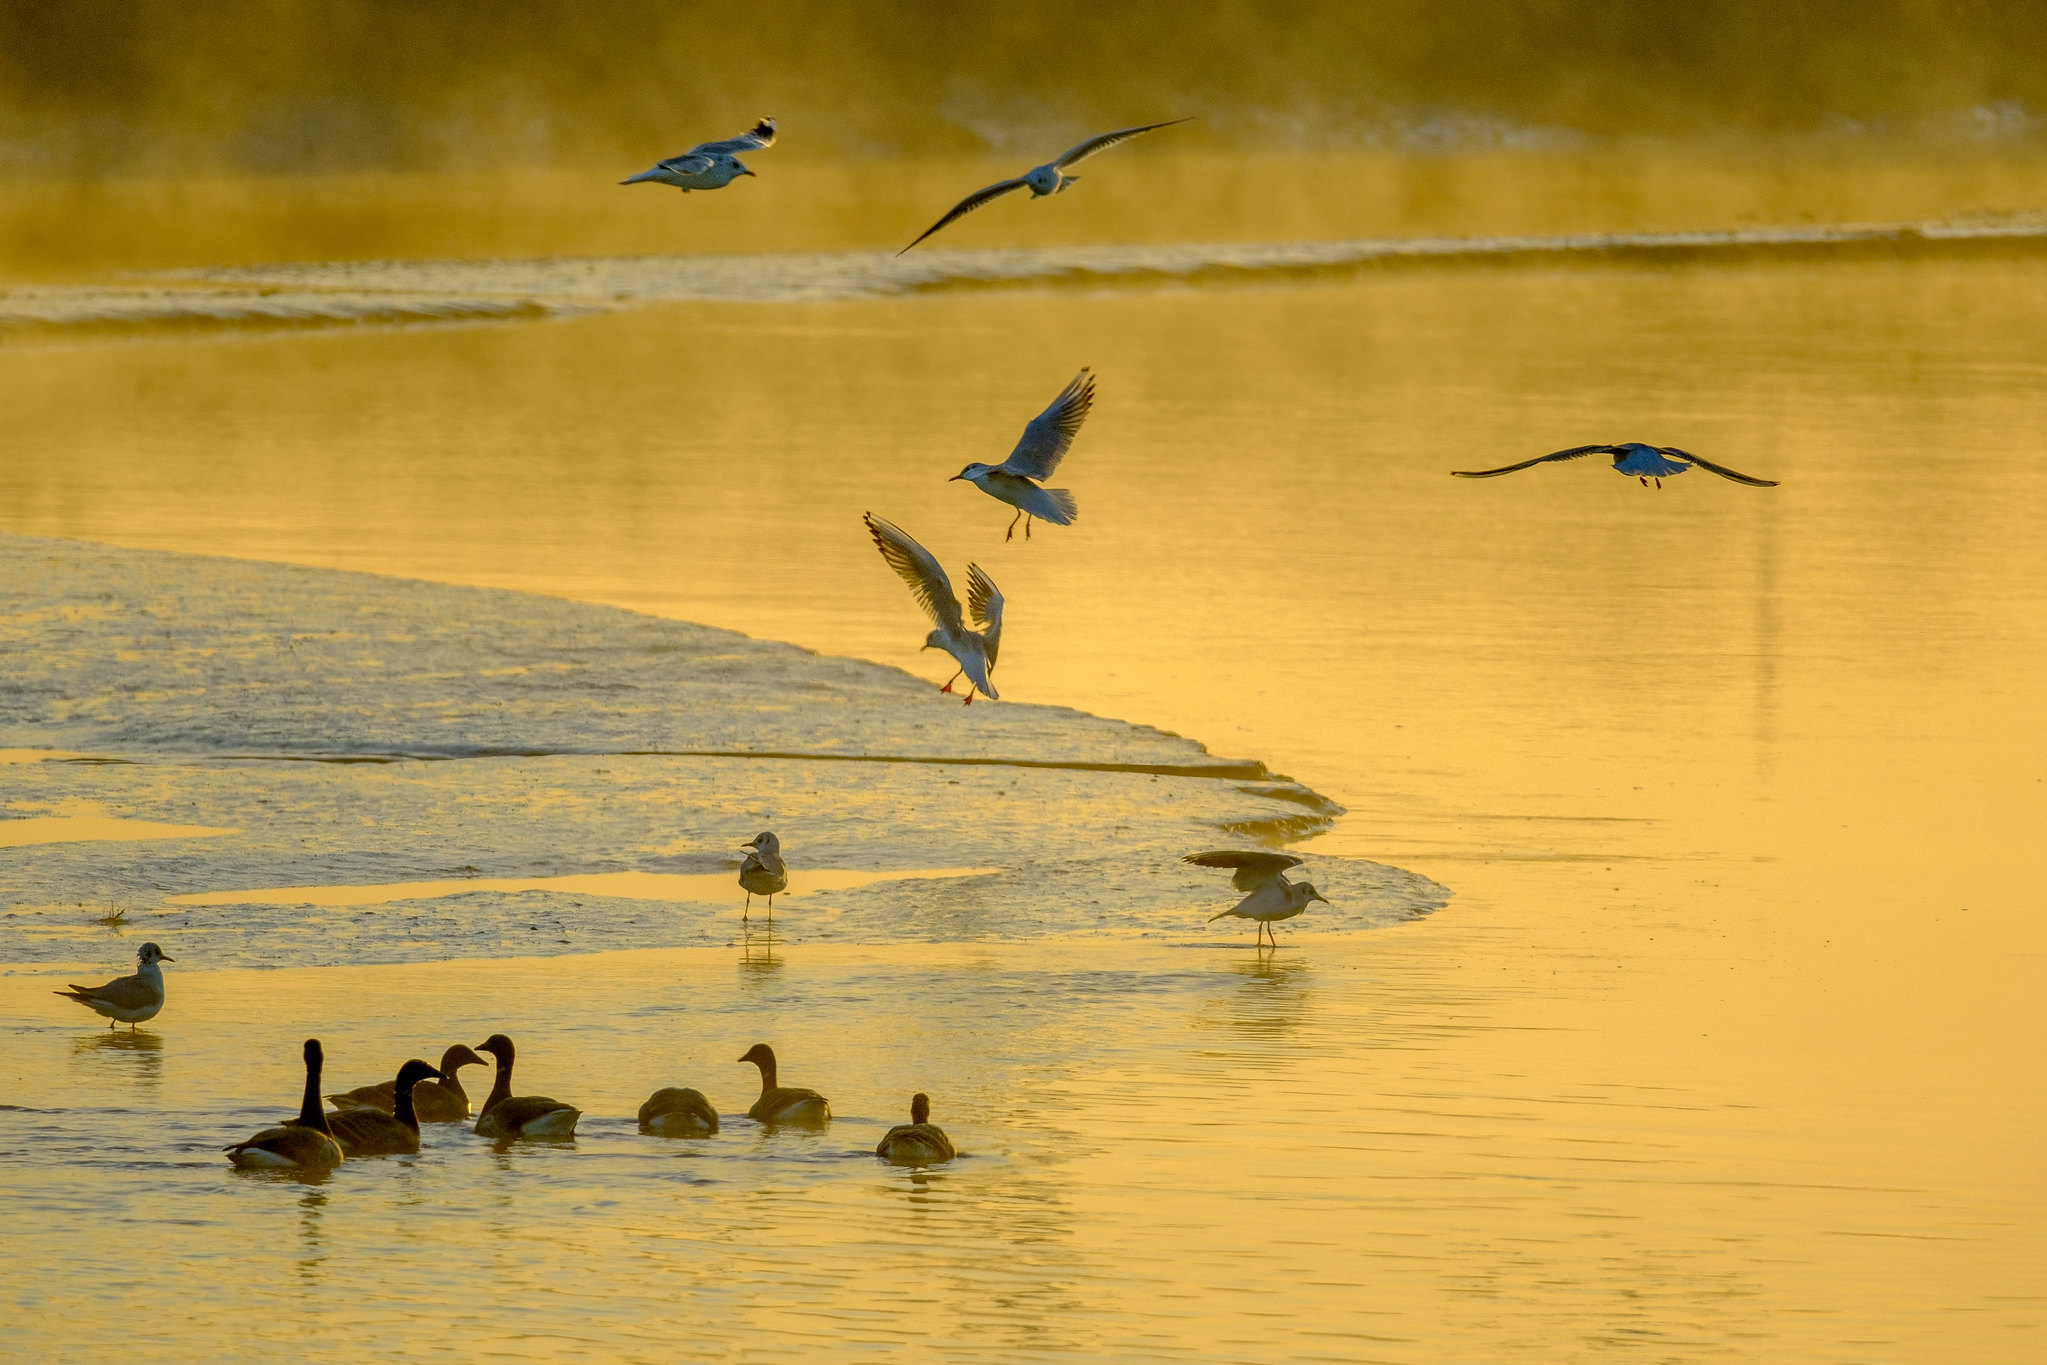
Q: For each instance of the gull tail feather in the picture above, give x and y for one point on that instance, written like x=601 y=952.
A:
x=1220 y=913
x=1064 y=504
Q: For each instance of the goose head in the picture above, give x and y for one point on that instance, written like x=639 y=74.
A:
x=761 y=1055
x=415 y=1071
x=457 y=1057
x=920 y=1108
x=498 y=1046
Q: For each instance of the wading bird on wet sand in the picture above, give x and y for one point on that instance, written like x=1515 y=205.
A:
x=975 y=650
x=1038 y=452
x=1633 y=458
x=1272 y=896
x=763 y=873
x=1050 y=178
x=708 y=165
x=129 y=1000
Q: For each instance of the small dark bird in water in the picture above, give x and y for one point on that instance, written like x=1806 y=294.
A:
x=372 y=1132
x=920 y=1142
x=1644 y=462
x=784 y=1103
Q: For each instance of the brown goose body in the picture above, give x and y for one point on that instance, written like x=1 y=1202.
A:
x=784 y=1104
x=441 y=1101
x=304 y=1145
x=506 y=1115
x=678 y=1111
x=919 y=1142
x=372 y=1132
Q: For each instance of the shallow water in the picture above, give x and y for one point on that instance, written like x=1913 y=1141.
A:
x=1723 y=1046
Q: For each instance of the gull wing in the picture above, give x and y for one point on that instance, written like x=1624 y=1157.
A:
x=126 y=992
x=1075 y=155
x=1722 y=470
x=761 y=135
x=1253 y=869
x=970 y=203
x=915 y=566
x=693 y=162
x=1050 y=434
x=1573 y=453
x=984 y=604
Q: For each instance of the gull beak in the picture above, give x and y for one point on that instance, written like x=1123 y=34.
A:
x=746 y=172
x=956 y=478
x=1324 y=899
x=165 y=957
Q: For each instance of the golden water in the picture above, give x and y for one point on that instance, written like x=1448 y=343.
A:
x=1727 y=1046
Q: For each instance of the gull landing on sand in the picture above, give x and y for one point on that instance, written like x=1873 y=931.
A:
x=129 y=1000
x=1272 y=896
x=975 y=650
x=1644 y=462
x=1050 y=178
x=763 y=873
x=1038 y=452
x=709 y=165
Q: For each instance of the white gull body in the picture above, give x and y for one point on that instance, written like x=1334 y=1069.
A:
x=1272 y=897
x=1044 y=443
x=129 y=1000
x=708 y=165
x=1050 y=178
x=975 y=650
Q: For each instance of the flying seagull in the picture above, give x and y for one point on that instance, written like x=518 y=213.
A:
x=129 y=1000
x=974 y=649
x=1050 y=178
x=1272 y=896
x=1038 y=452
x=1645 y=462
x=709 y=165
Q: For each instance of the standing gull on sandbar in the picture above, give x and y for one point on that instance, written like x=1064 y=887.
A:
x=1044 y=443
x=709 y=165
x=763 y=873
x=1050 y=178
x=1272 y=896
x=975 y=650
x=129 y=1000
x=1633 y=458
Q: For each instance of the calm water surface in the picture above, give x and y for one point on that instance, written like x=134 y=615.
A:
x=1726 y=1046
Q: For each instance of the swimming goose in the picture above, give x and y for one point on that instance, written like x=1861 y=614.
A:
x=763 y=873
x=304 y=1144
x=506 y=1115
x=920 y=1142
x=784 y=1103
x=372 y=1132
x=1633 y=458
x=442 y=1101
x=127 y=999
x=1272 y=896
x=678 y=1111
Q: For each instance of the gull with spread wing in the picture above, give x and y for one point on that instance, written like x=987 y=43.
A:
x=1644 y=462
x=975 y=650
x=1038 y=452
x=1050 y=178
x=709 y=165
x=1272 y=896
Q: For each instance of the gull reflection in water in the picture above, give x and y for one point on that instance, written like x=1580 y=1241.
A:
x=757 y=961
x=136 y=1057
x=1273 y=996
